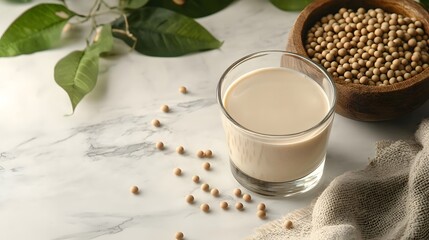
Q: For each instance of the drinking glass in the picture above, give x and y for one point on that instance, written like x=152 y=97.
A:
x=277 y=164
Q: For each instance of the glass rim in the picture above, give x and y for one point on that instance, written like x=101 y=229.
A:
x=263 y=53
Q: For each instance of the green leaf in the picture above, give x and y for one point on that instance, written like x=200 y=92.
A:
x=132 y=4
x=77 y=74
x=193 y=8
x=425 y=3
x=164 y=33
x=37 y=29
x=103 y=41
x=290 y=5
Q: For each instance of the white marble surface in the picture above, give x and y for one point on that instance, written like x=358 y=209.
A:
x=68 y=177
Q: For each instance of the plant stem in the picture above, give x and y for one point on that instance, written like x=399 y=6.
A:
x=126 y=32
x=95 y=7
x=96 y=11
x=92 y=10
x=108 y=6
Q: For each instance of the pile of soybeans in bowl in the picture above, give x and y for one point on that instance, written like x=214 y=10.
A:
x=369 y=47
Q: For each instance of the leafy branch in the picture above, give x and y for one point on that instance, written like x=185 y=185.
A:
x=147 y=26
x=163 y=28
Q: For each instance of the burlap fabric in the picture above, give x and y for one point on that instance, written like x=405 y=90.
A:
x=389 y=199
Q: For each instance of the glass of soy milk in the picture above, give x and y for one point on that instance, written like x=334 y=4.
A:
x=277 y=111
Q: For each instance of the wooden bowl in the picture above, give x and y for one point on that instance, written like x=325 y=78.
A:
x=364 y=102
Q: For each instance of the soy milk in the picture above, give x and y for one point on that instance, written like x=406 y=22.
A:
x=276 y=101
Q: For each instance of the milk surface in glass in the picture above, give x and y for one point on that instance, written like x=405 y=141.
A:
x=276 y=101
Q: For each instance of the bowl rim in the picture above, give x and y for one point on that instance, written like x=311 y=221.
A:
x=307 y=12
